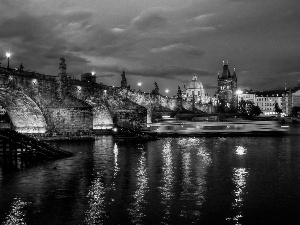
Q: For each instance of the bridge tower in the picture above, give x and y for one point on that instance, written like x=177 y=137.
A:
x=227 y=86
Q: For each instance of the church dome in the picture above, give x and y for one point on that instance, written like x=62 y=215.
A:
x=196 y=87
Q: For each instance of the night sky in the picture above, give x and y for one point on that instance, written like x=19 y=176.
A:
x=163 y=41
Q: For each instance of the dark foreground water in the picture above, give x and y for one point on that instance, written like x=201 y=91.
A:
x=241 y=180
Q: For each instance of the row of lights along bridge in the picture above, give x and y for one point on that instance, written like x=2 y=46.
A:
x=8 y=55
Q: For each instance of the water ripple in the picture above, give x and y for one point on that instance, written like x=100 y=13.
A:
x=16 y=215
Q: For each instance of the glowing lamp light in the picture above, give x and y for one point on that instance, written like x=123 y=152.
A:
x=167 y=91
x=8 y=54
x=93 y=73
x=239 y=92
x=139 y=84
x=115 y=129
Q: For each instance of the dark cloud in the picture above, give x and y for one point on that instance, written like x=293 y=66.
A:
x=259 y=38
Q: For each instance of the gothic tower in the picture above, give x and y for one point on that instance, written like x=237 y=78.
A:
x=227 y=85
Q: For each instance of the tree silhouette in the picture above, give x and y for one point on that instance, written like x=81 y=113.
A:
x=277 y=109
x=295 y=111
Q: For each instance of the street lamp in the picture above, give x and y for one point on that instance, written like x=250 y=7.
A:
x=139 y=84
x=167 y=91
x=239 y=92
x=93 y=73
x=8 y=54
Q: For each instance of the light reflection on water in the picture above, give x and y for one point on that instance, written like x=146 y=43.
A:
x=116 y=168
x=96 y=210
x=239 y=179
x=17 y=213
x=195 y=160
x=137 y=209
x=240 y=150
x=171 y=180
x=168 y=178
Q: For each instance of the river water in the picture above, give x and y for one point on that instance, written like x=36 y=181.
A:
x=215 y=180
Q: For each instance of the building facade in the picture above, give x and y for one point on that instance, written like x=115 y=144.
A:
x=292 y=99
x=246 y=96
x=266 y=100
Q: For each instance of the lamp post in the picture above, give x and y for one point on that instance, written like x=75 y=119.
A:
x=139 y=84
x=8 y=54
x=167 y=91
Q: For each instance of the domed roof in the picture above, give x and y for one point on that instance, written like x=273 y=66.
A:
x=195 y=84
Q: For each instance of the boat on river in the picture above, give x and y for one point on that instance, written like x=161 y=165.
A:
x=236 y=128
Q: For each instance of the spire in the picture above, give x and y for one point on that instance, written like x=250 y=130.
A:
x=226 y=72
x=21 y=67
x=63 y=67
x=194 y=78
x=234 y=74
x=123 y=81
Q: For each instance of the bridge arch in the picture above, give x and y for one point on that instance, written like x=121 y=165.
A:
x=23 y=112
x=102 y=117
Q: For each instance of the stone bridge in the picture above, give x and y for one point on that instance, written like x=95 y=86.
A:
x=38 y=103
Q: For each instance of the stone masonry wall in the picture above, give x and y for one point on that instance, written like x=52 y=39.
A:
x=71 y=119
x=132 y=118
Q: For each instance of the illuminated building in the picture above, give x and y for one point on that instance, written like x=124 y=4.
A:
x=266 y=100
x=194 y=91
x=227 y=86
x=246 y=96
